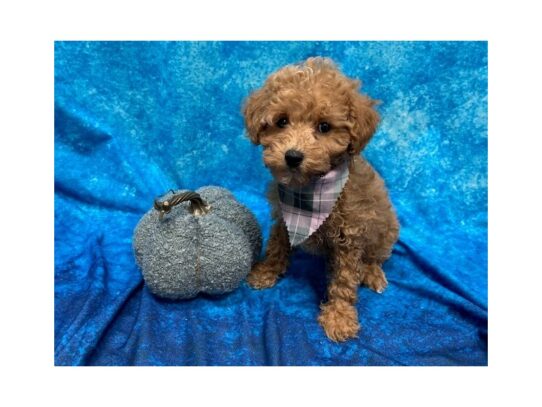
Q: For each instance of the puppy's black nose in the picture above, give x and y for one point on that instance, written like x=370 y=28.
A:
x=293 y=158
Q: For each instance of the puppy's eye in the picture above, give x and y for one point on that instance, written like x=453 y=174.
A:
x=324 y=127
x=282 y=122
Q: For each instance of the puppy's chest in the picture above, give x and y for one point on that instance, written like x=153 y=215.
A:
x=350 y=217
x=327 y=234
x=353 y=215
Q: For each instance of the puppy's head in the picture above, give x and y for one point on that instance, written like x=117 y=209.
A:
x=308 y=118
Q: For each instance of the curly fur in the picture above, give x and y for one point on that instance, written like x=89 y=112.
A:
x=359 y=234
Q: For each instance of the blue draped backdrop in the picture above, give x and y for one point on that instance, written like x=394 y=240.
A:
x=134 y=119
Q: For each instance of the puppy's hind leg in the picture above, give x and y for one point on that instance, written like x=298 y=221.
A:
x=265 y=273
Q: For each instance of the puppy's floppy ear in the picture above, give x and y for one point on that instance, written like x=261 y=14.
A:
x=363 y=119
x=254 y=113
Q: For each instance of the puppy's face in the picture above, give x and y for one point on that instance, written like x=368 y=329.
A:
x=308 y=118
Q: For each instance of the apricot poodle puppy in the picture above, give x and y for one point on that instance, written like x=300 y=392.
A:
x=313 y=123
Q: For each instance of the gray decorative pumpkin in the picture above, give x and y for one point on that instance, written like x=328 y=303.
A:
x=192 y=242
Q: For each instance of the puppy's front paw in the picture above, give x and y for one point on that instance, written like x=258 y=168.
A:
x=374 y=278
x=262 y=276
x=339 y=320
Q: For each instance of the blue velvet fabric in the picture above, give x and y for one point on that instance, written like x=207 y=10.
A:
x=134 y=119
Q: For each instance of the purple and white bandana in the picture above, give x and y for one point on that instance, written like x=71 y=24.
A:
x=305 y=209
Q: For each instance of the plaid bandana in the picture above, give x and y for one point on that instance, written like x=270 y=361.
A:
x=305 y=209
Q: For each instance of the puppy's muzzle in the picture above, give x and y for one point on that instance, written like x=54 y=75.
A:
x=293 y=158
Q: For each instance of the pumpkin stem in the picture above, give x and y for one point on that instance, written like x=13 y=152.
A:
x=198 y=206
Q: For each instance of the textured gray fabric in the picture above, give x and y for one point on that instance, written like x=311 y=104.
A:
x=184 y=254
x=226 y=206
